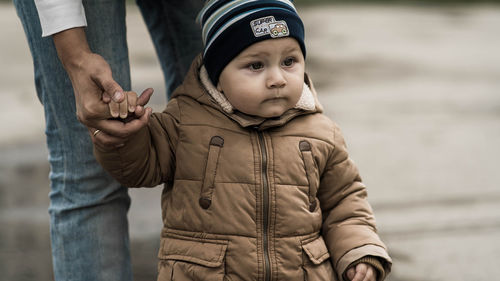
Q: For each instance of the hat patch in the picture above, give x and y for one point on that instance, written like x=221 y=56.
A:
x=268 y=25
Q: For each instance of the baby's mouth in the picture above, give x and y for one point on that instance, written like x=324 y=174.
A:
x=275 y=95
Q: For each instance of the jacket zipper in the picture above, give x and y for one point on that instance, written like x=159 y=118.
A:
x=265 y=199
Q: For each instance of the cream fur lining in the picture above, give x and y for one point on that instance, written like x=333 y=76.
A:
x=306 y=101
x=219 y=97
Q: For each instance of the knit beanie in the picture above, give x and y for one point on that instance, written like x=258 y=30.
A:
x=228 y=27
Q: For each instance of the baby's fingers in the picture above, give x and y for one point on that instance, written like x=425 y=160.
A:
x=119 y=109
x=145 y=96
x=371 y=275
x=361 y=270
x=124 y=108
x=114 y=109
x=132 y=101
x=350 y=273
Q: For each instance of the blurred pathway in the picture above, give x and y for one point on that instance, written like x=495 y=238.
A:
x=416 y=91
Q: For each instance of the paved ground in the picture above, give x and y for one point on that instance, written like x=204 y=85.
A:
x=415 y=89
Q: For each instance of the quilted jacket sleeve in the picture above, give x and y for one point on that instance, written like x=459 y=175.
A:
x=148 y=158
x=348 y=222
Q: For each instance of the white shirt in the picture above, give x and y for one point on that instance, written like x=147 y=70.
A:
x=59 y=15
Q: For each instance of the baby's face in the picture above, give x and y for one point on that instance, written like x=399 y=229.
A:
x=266 y=79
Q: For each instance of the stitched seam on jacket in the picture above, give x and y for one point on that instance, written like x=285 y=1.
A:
x=248 y=183
x=219 y=182
x=275 y=271
x=299 y=236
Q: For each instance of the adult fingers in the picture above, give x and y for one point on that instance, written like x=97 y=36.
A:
x=106 y=98
x=111 y=88
x=140 y=122
x=105 y=141
x=112 y=127
x=114 y=109
x=90 y=110
x=93 y=83
x=124 y=130
x=108 y=141
x=104 y=78
x=145 y=96
x=133 y=126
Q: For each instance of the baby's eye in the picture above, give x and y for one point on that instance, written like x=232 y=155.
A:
x=288 y=61
x=256 y=65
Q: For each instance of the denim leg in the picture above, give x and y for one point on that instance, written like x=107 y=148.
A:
x=175 y=34
x=88 y=209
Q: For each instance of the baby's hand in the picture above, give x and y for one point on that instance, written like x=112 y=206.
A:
x=114 y=133
x=124 y=108
x=362 y=272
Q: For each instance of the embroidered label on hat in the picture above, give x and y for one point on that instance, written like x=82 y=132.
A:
x=268 y=25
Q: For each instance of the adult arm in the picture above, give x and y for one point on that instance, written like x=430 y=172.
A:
x=90 y=74
x=91 y=77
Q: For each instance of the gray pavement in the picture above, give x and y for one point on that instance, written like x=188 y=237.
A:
x=415 y=89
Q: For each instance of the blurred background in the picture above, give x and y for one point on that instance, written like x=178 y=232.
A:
x=415 y=86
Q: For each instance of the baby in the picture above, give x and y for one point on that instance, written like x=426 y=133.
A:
x=258 y=183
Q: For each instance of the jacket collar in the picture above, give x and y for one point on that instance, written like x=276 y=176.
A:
x=195 y=86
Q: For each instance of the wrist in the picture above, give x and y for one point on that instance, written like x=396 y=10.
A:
x=72 y=47
x=372 y=261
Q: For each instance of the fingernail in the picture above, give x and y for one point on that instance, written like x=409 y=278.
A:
x=117 y=96
x=119 y=145
x=131 y=108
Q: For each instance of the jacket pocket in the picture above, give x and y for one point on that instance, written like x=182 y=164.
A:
x=207 y=189
x=191 y=259
x=311 y=173
x=316 y=262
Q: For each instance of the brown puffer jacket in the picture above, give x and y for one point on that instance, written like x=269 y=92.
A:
x=248 y=198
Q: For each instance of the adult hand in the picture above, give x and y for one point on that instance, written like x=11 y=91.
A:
x=92 y=80
x=115 y=133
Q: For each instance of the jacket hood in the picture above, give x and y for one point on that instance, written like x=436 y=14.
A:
x=194 y=88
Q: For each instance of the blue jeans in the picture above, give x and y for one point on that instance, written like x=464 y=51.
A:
x=88 y=209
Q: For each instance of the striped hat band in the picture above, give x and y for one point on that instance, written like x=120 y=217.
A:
x=228 y=27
